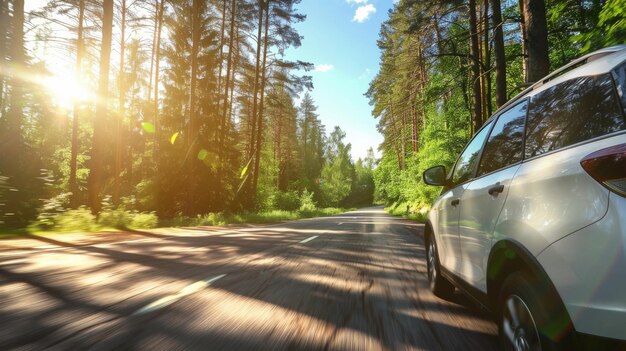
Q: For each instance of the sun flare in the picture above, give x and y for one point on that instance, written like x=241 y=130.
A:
x=66 y=90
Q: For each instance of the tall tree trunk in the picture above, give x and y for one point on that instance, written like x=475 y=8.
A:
x=18 y=64
x=475 y=66
x=498 y=49
x=486 y=61
x=221 y=55
x=394 y=136
x=154 y=39
x=4 y=27
x=437 y=34
x=161 y=205
x=231 y=99
x=255 y=103
x=257 y=73
x=192 y=131
x=522 y=29
x=251 y=191
x=229 y=64
x=259 y=138
x=101 y=120
x=13 y=163
x=155 y=107
x=73 y=183
x=119 y=119
x=537 y=39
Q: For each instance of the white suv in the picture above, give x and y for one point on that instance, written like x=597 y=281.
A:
x=531 y=221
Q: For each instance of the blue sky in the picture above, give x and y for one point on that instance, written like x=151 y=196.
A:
x=340 y=40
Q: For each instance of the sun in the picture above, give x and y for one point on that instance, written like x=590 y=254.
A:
x=66 y=90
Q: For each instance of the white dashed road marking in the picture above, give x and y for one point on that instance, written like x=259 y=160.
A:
x=309 y=239
x=168 y=300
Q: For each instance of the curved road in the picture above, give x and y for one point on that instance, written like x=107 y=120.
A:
x=355 y=281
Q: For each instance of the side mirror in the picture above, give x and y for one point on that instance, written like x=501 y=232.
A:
x=435 y=176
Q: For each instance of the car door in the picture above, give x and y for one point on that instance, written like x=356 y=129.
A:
x=484 y=196
x=449 y=204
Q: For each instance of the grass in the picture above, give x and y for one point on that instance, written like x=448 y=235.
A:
x=406 y=210
x=80 y=224
x=13 y=233
x=262 y=217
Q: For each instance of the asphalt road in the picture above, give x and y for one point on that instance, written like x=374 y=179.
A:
x=355 y=281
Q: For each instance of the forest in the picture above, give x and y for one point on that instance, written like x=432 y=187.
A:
x=173 y=110
x=446 y=66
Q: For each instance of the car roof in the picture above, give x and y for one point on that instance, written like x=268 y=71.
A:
x=597 y=62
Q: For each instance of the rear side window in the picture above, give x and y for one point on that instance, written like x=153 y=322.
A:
x=505 y=145
x=571 y=112
x=620 y=79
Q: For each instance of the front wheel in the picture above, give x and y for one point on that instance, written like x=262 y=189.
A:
x=439 y=285
x=532 y=317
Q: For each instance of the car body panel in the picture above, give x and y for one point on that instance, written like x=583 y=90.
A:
x=478 y=216
x=552 y=196
x=588 y=268
x=446 y=221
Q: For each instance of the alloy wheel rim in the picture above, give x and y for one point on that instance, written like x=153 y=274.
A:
x=518 y=326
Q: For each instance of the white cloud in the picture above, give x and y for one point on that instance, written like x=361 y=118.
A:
x=323 y=68
x=363 y=12
x=365 y=73
x=357 y=1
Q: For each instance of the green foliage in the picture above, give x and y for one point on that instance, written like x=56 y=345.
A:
x=338 y=172
x=144 y=220
x=287 y=201
x=50 y=210
x=307 y=203
x=610 y=28
x=269 y=216
x=80 y=219
x=76 y=220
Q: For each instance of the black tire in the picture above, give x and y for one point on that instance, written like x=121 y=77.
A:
x=532 y=316
x=439 y=285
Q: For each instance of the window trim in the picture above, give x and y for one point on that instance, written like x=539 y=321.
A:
x=488 y=123
x=496 y=119
x=598 y=138
x=616 y=85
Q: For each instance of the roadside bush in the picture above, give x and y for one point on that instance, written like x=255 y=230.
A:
x=306 y=201
x=144 y=220
x=115 y=218
x=122 y=218
x=212 y=219
x=287 y=201
x=80 y=219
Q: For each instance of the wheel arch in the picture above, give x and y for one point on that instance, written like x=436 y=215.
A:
x=508 y=256
x=428 y=231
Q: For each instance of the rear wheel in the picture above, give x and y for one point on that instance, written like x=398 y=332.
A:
x=532 y=317
x=439 y=285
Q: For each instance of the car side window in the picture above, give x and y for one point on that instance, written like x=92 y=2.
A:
x=466 y=163
x=573 y=111
x=505 y=145
x=619 y=74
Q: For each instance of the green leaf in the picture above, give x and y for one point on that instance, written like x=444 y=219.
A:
x=245 y=170
x=148 y=127
x=202 y=154
x=173 y=138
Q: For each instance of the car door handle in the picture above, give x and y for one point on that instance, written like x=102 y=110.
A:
x=496 y=189
x=455 y=202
